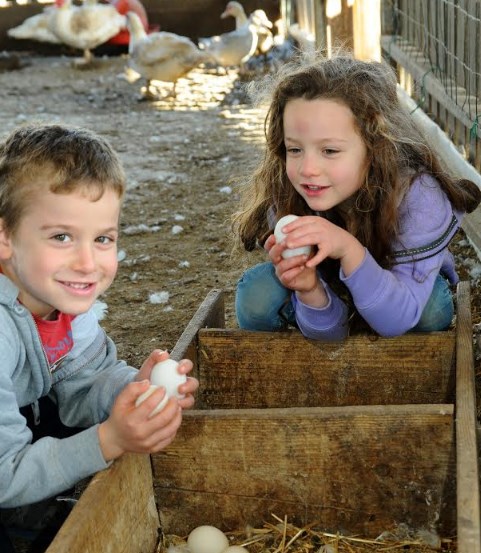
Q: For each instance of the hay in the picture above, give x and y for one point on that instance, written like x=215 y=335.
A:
x=284 y=537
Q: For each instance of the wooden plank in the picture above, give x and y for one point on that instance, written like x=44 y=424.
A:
x=211 y=313
x=115 y=514
x=468 y=492
x=354 y=469
x=240 y=369
x=367 y=29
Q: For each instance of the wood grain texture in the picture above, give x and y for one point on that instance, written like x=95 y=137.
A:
x=115 y=514
x=210 y=313
x=468 y=492
x=240 y=369
x=353 y=469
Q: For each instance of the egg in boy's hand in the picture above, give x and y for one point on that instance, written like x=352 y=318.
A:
x=164 y=374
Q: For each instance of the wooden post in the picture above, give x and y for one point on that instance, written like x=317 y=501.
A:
x=367 y=29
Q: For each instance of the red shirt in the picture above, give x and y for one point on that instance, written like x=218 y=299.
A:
x=56 y=336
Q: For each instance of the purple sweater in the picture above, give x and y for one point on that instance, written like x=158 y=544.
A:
x=427 y=224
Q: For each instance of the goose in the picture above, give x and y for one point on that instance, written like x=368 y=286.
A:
x=86 y=27
x=36 y=27
x=160 y=56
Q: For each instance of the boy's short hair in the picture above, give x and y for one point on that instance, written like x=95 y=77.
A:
x=63 y=159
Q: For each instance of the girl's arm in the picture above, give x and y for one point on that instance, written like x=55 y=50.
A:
x=392 y=301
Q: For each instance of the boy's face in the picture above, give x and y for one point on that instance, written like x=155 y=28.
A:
x=64 y=253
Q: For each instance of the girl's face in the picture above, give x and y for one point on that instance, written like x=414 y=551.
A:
x=326 y=159
x=64 y=252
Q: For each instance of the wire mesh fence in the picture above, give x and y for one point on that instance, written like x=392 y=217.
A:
x=436 y=46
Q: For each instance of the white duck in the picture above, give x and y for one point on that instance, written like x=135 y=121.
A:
x=86 y=27
x=160 y=56
x=236 y=47
x=264 y=33
x=36 y=27
x=258 y=18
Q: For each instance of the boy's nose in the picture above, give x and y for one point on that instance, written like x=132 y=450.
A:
x=85 y=259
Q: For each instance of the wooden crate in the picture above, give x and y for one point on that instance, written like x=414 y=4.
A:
x=356 y=436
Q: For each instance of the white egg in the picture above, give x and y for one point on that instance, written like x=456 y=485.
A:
x=207 y=539
x=236 y=549
x=164 y=374
x=289 y=252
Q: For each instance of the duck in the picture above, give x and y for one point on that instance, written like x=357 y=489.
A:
x=234 y=48
x=235 y=10
x=36 y=27
x=258 y=18
x=265 y=38
x=160 y=56
x=85 y=27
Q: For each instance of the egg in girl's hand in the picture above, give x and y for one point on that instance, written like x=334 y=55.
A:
x=289 y=252
x=207 y=539
x=164 y=374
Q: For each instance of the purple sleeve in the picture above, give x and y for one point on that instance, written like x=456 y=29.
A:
x=327 y=323
x=392 y=301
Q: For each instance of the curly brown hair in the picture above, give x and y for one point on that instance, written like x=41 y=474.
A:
x=396 y=152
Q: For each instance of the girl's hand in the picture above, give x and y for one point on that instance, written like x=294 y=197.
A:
x=294 y=274
x=331 y=241
x=133 y=429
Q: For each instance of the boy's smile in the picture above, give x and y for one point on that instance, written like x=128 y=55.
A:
x=64 y=252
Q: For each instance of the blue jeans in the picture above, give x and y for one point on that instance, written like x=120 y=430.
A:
x=263 y=303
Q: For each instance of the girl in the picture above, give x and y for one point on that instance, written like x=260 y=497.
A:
x=373 y=201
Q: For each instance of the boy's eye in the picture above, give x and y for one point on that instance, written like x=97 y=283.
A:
x=105 y=240
x=61 y=237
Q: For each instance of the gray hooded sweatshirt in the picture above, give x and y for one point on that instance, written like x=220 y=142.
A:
x=84 y=385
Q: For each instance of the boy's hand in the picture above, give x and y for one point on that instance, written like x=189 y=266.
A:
x=185 y=366
x=132 y=429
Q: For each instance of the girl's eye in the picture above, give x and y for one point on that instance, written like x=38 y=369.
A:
x=293 y=150
x=330 y=151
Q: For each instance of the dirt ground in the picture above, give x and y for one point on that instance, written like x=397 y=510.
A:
x=181 y=157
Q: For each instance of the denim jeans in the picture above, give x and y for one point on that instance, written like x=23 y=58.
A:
x=263 y=303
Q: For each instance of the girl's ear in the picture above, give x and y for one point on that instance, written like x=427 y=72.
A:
x=5 y=242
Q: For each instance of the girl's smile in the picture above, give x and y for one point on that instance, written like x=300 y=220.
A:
x=326 y=159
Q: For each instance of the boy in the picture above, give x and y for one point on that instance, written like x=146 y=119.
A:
x=67 y=404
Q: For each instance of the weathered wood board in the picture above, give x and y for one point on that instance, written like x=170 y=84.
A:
x=239 y=369
x=356 y=437
x=115 y=514
x=355 y=469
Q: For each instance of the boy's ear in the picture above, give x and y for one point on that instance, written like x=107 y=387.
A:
x=5 y=242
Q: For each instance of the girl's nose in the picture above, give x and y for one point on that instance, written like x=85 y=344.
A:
x=310 y=165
